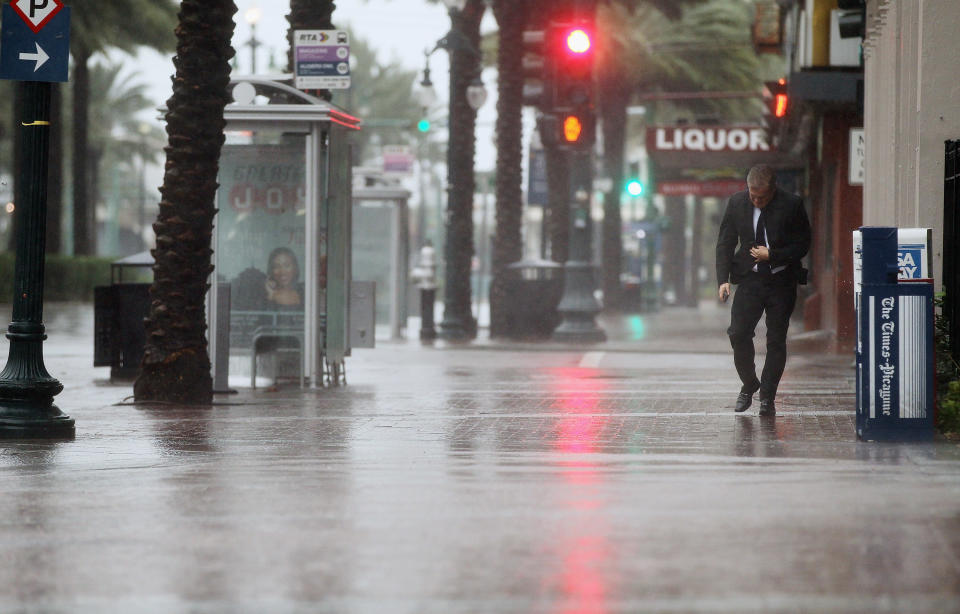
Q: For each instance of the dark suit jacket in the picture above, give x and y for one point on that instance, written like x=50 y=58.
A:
x=788 y=236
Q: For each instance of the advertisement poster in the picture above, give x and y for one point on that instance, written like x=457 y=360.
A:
x=261 y=236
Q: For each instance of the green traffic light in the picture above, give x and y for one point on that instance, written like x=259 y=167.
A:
x=423 y=125
x=634 y=187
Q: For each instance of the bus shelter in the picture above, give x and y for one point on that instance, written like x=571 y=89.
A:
x=282 y=239
x=381 y=244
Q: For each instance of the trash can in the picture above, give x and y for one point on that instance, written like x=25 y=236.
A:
x=535 y=287
x=895 y=369
x=118 y=313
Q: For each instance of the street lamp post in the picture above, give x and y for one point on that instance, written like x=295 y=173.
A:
x=252 y=17
x=578 y=306
x=467 y=94
x=26 y=388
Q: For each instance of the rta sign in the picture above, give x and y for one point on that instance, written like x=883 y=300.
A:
x=37 y=13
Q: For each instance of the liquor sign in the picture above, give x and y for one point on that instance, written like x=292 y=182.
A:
x=707 y=139
x=321 y=59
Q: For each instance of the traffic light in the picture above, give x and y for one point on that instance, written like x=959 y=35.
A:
x=777 y=105
x=537 y=70
x=633 y=186
x=852 y=18
x=572 y=49
x=423 y=125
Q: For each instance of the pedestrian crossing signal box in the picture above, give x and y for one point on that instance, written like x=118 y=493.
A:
x=282 y=239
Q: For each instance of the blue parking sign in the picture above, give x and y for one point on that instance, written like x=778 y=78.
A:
x=26 y=55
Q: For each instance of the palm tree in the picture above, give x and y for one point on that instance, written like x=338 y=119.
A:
x=113 y=117
x=458 y=321
x=176 y=365
x=98 y=25
x=508 y=242
x=647 y=50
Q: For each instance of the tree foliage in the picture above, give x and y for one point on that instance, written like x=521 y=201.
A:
x=379 y=91
x=96 y=26
x=707 y=49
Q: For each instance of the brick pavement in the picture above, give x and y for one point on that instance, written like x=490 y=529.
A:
x=488 y=478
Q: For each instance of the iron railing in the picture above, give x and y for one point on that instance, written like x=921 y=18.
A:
x=951 y=251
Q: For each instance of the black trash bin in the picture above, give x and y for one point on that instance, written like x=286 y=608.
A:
x=535 y=287
x=118 y=312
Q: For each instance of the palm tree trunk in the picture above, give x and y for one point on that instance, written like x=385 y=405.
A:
x=508 y=241
x=458 y=321
x=94 y=160
x=613 y=110
x=696 y=254
x=84 y=242
x=675 y=266
x=176 y=365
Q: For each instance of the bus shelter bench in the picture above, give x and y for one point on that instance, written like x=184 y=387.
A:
x=280 y=339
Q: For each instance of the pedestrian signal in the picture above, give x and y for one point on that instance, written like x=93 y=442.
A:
x=572 y=129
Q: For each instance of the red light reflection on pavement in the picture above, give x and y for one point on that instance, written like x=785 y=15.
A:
x=584 y=550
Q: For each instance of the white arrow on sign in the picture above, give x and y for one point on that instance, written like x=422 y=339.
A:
x=40 y=57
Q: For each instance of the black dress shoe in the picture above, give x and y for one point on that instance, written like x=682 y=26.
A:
x=744 y=401
x=767 y=407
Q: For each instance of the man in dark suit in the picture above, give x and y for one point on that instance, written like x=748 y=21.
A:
x=773 y=233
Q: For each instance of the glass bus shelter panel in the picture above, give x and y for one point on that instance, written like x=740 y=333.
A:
x=374 y=252
x=261 y=237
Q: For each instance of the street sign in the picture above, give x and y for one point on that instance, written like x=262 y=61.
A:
x=537 y=187
x=398 y=159
x=858 y=154
x=37 y=13
x=35 y=41
x=321 y=59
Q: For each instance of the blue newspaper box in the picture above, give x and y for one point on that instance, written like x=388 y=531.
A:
x=894 y=347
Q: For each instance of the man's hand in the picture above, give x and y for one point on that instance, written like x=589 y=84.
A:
x=760 y=253
x=724 y=292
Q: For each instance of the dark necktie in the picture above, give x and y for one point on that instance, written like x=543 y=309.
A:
x=761 y=239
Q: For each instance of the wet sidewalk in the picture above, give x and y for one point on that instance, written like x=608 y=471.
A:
x=493 y=477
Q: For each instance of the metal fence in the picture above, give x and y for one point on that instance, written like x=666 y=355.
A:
x=951 y=250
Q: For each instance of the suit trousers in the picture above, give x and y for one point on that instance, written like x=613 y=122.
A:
x=758 y=294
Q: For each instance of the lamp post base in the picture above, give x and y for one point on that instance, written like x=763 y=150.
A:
x=27 y=389
x=27 y=411
x=20 y=422
x=428 y=331
x=578 y=307
x=456 y=328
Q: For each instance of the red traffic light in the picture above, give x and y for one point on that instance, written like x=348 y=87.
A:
x=577 y=41
x=780 y=100
x=780 y=108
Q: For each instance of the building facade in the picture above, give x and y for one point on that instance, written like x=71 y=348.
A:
x=911 y=106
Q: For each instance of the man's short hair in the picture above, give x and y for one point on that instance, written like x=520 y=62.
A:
x=761 y=175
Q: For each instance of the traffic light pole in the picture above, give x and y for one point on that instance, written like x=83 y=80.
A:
x=578 y=306
x=26 y=388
